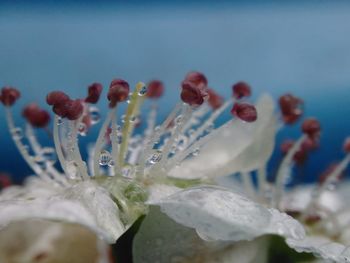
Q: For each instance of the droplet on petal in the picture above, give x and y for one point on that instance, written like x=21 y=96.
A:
x=155 y=89
x=245 y=112
x=241 y=90
x=94 y=92
x=36 y=116
x=118 y=92
x=9 y=95
x=214 y=100
x=311 y=127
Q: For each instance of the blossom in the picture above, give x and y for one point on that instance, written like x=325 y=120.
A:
x=175 y=166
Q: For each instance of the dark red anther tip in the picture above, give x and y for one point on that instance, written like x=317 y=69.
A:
x=291 y=108
x=214 y=100
x=155 y=89
x=245 y=112
x=57 y=97
x=94 y=92
x=118 y=92
x=286 y=146
x=9 y=95
x=5 y=180
x=310 y=143
x=241 y=89
x=74 y=109
x=346 y=145
x=192 y=94
x=197 y=78
x=36 y=116
x=300 y=157
x=330 y=169
x=311 y=127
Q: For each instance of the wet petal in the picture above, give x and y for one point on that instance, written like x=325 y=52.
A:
x=234 y=147
x=219 y=214
x=160 y=239
x=323 y=247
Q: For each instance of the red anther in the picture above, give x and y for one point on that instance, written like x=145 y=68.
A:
x=5 y=180
x=155 y=89
x=286 y=146
x=9 y=95
x=214 y=100
x=36 y=116
x=87 y=121
x=300 y=157
x=310 y=143
x=94 y=92
x=346 y=145
x=245 y=112
x=61 y=109
x=118 y=92
x=192 y=94
x=241 y=89
x=108 y=135
x=197 y=78
x=57 y=97
x=74 y=109
x=311 y=127
x=291 y=108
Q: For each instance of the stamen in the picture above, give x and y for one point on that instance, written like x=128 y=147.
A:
x=94 y=92
x=9 y=95
x=291 y=108
x=155 y=89
x=241 y=90
x=197 y=78
x=245 y=112
x=35 y=116
x=118 y=92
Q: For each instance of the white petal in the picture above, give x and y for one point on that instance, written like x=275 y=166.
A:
x=161 y=191
x=220 y=214
x=160 y=239
x=234 y=147
x=323 y=247
x=84 y=203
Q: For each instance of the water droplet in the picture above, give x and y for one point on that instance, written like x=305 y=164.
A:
x=49 y=154
x=95 y=115
x=156 y=157
x=209 y=128
x=17 y=133
x=59 y=121
x=82 y=129
x=143 y=91
x=157 y=129
x=111 y=163
x=195 y=152
x=72 y=169
x=133 y=118
x=127 y=171
x=122 y=118
x=191 y=132
x=105 y=158
x=178 y=119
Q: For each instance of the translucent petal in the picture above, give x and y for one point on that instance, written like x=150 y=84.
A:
x=234 y=147
x=160 y=239
x=84 y=203
x=160 y=191
x=224 y=215
x=323 y=247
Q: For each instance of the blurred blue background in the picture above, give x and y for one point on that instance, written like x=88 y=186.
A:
x=277 y=46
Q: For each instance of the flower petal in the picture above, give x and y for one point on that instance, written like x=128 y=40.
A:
x=220 y=214
x=160 y=239
x=323 y=247
x=234 y=147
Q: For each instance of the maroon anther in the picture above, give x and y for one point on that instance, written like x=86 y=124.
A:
x=245 y=112
x=192 y=94
x=118 y=92
x=310 y=143
x=241 y=90
x=57 y=97
x=286 y=146
x=300 y=157
x=36 y=116
x=94 y=92
x=197 y=78
x=214 y=100
x=155 y=89
x=74 y=109
x=9 y=95
x=5 y=180
x=311 y=127
x=291 y=108
x=346 y=145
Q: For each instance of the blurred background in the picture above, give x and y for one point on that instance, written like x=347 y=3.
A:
x=301 y=47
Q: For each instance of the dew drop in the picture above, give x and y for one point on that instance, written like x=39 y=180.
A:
x=17 y=133
x=111 y=163
x=95 y=115
x=156 y=157
x=105 y=158
x=82 y=129
x=178 y=119
x=127 y=171
x=59 y=121
x=195 y=152
x=49 y=154
x=72 y=169
x=122 y=118
x=143 y=91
